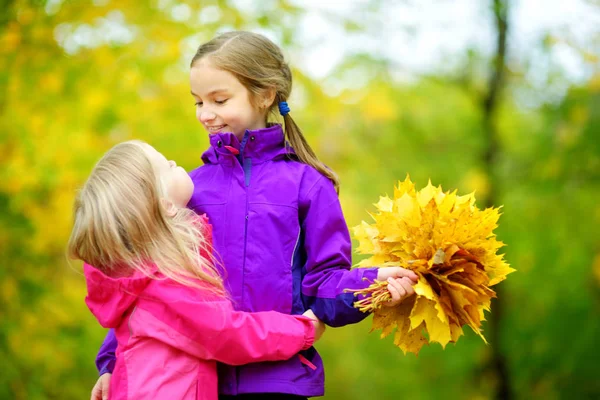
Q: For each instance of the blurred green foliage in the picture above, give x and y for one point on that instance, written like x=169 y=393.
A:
x=70 y=88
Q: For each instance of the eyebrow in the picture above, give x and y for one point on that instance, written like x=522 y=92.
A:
x=210 y=93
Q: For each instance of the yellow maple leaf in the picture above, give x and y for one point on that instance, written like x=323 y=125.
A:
x=451 y=245
x=426 y=311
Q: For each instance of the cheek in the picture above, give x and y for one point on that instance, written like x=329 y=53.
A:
x=198 y=114
x=241 y=119
x=227 y=114
x=187 y=184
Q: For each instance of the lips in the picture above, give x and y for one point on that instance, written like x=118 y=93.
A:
x=215 y=128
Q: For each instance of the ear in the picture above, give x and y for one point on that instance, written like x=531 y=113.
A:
x=169 y=207
x=268 y=98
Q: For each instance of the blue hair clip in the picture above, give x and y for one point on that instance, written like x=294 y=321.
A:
x=284 y=109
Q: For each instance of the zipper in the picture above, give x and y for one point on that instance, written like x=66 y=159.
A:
x=246 y=169
x=246 y=165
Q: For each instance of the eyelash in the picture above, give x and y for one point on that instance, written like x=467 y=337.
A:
x=219 y=102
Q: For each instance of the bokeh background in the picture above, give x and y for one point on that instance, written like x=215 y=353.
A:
x=500 y=97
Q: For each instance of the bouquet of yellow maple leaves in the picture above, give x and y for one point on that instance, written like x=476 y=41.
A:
x=449 y=243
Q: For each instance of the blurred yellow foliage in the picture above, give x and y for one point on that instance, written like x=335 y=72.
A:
x=378 y=106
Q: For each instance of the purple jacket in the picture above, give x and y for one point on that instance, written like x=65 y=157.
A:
x=279 y=230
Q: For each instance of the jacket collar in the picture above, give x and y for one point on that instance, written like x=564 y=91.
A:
x=260 y=145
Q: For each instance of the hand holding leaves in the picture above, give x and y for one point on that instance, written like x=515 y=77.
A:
x=400 y=283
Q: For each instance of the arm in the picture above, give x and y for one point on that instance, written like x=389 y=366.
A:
x=209 y=328
x=328 y=258
x=105 y=360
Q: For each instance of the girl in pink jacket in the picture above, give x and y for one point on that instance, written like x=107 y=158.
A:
x=154 y=281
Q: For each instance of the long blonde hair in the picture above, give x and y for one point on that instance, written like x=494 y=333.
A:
x=259 y=65
x=121 y=224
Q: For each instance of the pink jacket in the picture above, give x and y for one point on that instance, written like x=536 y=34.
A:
x=170 y=336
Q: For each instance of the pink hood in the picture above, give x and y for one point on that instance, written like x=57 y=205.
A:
x=109 y=299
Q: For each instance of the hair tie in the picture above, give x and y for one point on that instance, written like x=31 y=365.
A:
x=284 y=109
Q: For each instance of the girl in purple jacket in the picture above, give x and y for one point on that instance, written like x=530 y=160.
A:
x=277 y=221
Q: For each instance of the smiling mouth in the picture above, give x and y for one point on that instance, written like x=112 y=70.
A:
x=216 y=128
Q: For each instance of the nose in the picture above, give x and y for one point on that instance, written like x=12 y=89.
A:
x=205 y=116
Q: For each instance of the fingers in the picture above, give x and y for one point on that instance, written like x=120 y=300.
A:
x=399 y=289
x=407 y=284
x=96 y=391
x=310 y=314
x=396 y=289
x=319 y=329
x=396 y=272
x=105 y=385
x=407 y=273
x=318 y=324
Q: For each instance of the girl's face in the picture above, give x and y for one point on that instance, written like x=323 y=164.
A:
x=222 y=102
x=178 y=183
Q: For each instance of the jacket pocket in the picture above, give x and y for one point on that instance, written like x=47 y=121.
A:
x=272 y=236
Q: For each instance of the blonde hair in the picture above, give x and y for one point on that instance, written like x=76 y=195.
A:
x=121 y=224
x=259 y=65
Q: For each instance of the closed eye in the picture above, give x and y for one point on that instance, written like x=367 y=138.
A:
x=221 y=102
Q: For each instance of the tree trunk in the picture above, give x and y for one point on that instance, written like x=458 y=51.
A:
x=490 y=156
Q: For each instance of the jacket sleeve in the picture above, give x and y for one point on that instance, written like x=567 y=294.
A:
x=105 y=360
x=328 y=258
x=208 y=327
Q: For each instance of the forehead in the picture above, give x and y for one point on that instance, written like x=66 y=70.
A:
x=206 y=79
x=154 y=156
